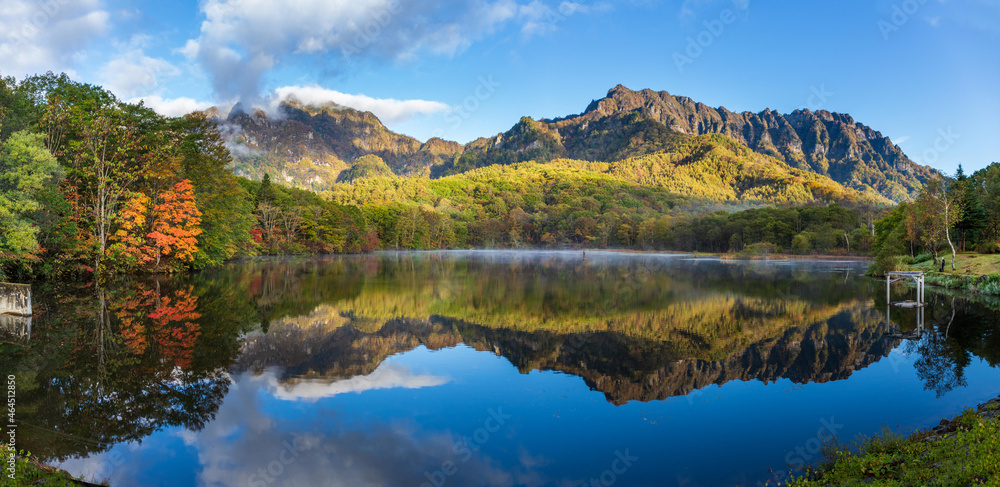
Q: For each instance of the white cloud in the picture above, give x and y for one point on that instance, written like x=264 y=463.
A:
x=570 y=8
x=901 y=140
x=388 y=375
x=43 y=36
x=134 y=74
x=242 y=40
x=172 y=107
x=386 y=109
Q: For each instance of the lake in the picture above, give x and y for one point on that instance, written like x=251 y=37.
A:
x=486 y=368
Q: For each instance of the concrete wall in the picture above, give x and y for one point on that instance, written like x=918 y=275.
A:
x=15 y=299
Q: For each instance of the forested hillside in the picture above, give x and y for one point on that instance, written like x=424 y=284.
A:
x=92 y=185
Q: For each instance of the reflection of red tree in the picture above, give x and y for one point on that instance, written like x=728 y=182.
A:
x=166 y=320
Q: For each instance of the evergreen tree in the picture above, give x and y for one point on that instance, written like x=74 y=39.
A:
x=266 y=193
x=974 y=215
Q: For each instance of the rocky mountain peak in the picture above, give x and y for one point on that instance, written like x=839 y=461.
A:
x=832 y=144
x=327 y=140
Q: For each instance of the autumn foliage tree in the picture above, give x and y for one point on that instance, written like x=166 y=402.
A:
x=176 y=225
x=932 y=216
x=164 y=236
x=129 y=241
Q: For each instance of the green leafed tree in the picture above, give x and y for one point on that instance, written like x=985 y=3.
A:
x=26 y=167
x=934 y=213
x=224 y=204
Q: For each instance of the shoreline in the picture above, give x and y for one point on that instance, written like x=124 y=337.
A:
x=964 y=450
x=29 y=471
x=976 y=275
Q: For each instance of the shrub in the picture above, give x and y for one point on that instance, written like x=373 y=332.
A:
x=883 y=264
x=888 y=442
x=906 y=260
x=800 y=244
x=759 y=249
x=990 y=284
x=921 y=258
x=988 y=248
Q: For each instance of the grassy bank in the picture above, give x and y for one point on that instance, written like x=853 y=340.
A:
x=978 y=273
x=29 y=472
x=962 y=451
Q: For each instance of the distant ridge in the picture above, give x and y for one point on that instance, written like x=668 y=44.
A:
x=315 y=147
x=629 y=123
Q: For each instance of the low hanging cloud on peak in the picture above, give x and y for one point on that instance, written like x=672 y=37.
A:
x=241 y=41
x=388 y=110
x=172 y=107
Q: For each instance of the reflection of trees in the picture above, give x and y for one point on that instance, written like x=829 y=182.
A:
x=167 y=320
x=633 y=328
x=121 y=363
x=623 y=367
x=957 y=330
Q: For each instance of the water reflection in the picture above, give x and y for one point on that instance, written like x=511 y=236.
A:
x=15 y=329
x=238 y=362
x=116 y=364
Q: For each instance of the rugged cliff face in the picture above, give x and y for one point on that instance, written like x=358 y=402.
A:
x=831 y=144
x=313 y=147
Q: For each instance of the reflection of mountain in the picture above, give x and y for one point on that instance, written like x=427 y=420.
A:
x=111 y=365
x=624 y=368
x=635 y=327
x=818 y=352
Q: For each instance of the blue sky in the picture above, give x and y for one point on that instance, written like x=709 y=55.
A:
x=923 y=72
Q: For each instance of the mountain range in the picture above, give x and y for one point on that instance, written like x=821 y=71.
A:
x=316 y=147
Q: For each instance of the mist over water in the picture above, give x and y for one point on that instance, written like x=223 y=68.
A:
x=486 y=368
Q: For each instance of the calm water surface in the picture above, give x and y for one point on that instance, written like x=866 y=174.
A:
x=485 y=369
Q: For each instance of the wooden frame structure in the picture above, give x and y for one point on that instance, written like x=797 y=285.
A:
x=918 y=279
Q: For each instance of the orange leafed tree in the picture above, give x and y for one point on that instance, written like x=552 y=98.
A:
x=176 y=224
x=128 y=240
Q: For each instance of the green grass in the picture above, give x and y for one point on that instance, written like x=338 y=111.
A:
x=974 y=272
x=970 y=456
x=29 y=472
